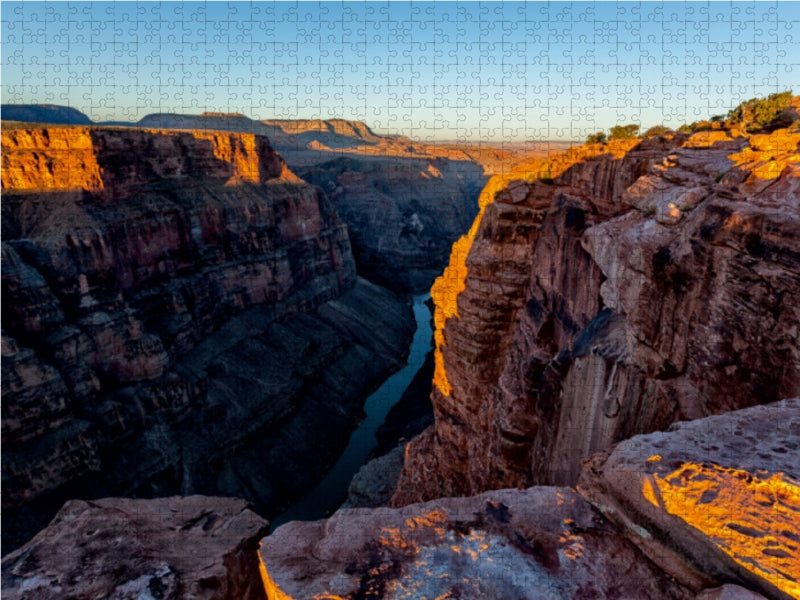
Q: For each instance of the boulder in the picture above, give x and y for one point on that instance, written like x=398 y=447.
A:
x=715 y=500
x=169 y=548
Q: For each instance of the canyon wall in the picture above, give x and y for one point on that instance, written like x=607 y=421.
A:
x=403 y=215
x=181 y=314
x=404 y=202
x=609 y=292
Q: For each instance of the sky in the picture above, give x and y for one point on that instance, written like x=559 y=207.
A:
x=470 y=71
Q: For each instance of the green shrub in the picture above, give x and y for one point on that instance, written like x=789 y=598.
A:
x=649 y=211
x=623 y=132
x=596 y=138
x=757 y=112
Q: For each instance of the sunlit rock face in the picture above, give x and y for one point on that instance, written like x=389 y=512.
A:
x=169 y=548
x=653 y=281
x=509 y=544
x=716 y=498
x=174 y=304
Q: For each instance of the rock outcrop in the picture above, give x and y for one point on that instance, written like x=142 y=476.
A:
x=608 y=292
x=169 y=548
x=712 y=500
x=181 y=314
x=539 y=543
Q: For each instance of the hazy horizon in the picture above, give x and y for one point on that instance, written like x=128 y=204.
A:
x=440 y=72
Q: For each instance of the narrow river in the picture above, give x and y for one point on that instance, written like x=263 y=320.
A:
x=331 y=491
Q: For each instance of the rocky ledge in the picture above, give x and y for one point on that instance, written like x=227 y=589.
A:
x=609 y=292
x=181 y=315
x=711 y=509
x=168 y=548
x=712 y=500
x=543 y=542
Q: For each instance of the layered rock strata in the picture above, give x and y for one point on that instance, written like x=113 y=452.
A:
x=643 y=282
x=404 y=203
x=169 y=548
x=181 y=314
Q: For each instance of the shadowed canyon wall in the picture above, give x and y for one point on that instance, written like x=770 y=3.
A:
x=181 y=314
x=639 y=283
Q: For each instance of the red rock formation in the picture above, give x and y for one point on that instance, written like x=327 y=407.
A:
x=170 y=548
x=712 y=500
x=172 y=301
x=539 y=543
x=653 y=281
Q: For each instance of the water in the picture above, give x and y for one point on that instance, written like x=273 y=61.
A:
x=320 y=502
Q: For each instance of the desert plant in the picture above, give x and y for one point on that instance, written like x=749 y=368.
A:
x=596 y=138
x=649 y=211
x=623 y=132
x=758 y=112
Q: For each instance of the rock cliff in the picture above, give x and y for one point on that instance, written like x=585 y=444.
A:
x=403 y=215
x=181 y=314
x=711 y=505
x=608 y=292
x=404 y=202
x=708 y=510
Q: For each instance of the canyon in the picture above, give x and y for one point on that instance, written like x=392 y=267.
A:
x=404 y=202
x=615 y=376
x=181 y=315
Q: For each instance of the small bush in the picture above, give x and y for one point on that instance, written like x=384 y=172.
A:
x=649 y=211
x=624 y=132
x=596 y=138
x=719 y=177
x=758 y=112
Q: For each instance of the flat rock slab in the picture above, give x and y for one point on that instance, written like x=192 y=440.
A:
x=542 y=543
x=711 y=500
x=167 y=548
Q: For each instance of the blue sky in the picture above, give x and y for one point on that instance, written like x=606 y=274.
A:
x=431 y=70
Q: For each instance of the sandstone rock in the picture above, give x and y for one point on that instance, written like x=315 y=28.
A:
x=181 y=315
x=536 y=543
x=170 y=548
x=729 y=591
x=712 y=499
x=647 y=284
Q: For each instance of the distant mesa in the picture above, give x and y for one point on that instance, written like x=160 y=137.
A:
x=44 y=113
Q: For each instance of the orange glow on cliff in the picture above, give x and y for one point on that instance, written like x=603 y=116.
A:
x=753 y=520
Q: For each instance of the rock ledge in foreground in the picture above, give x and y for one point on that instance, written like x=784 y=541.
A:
x=714 y=498
x=167 y=548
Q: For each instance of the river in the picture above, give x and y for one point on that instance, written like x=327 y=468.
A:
x=320 y=502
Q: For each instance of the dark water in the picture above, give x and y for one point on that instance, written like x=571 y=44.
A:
x=331 y=491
